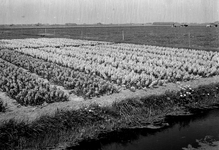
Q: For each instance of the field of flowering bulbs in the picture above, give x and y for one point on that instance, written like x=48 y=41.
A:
x=33 y=69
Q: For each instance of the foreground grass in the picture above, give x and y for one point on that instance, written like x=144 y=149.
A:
x=2 y=106
x=207 y=143
x=69 y=128
x=47 y=131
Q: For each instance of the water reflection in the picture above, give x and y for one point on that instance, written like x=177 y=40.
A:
x=182 y=131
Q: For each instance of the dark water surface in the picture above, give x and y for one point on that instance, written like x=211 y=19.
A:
x=182 y=131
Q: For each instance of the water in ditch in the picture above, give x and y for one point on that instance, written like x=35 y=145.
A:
x=181 y=132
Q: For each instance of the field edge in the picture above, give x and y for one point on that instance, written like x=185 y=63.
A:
x=67 y=128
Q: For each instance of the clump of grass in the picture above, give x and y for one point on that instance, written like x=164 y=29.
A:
x=48 y=131
x=2 y=106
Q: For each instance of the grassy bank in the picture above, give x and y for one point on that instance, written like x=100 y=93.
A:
x=68 y=128
x=2 y=106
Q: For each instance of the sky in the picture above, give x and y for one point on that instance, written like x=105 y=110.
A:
x=107 y=11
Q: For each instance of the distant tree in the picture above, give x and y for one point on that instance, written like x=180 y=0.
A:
x=38 y=24
x=99 y=23
x=70 y=24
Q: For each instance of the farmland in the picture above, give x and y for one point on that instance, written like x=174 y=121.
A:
x=198 y=37
x=105 y=82
x=90 y=69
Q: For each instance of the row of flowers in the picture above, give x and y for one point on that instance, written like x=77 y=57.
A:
x=27 y=88
x=81 y=84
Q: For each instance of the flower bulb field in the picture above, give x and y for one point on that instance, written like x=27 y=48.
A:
x=69 y=90
x=31 y=69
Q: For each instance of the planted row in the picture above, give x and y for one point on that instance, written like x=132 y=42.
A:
x=81 y=84
x=127 y=65
x=26 y=88
x=151 y=75
x=46 y=42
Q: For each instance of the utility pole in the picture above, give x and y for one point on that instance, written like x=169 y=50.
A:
x=123 y=35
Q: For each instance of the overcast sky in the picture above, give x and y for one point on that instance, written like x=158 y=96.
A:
x=107 y=11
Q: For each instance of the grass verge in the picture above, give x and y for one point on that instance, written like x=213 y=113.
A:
x=2 y=106
x=69 y=128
